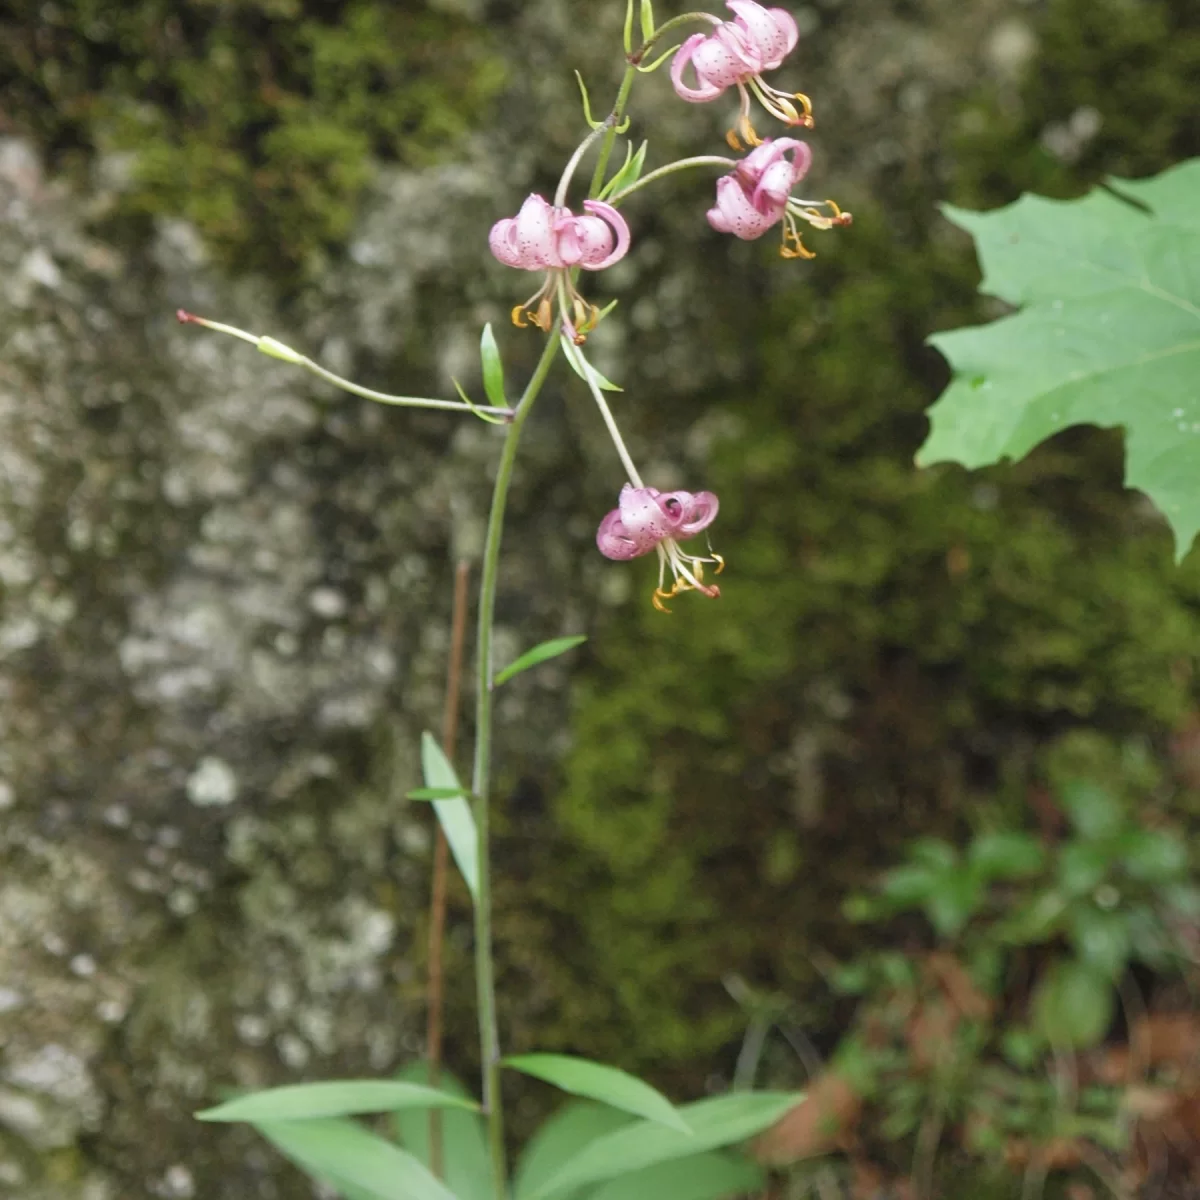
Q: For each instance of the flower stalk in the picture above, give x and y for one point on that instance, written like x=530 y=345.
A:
x=273 y=349
x=485 y=978
x=638 y=56
x=680 y=164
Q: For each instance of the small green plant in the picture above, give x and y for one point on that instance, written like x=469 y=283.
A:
x=972 y=1029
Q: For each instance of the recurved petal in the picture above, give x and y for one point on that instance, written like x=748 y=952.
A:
x=598 y=248
x=801 y=157
x=535 y=234
x=591 y=241
x=772 y=32
x=735 y=212
x=568 y=241
x=726 y=58
x=716 y=215
x=699 y=512
x=614 y=541
x=503 y=241
x=643 y=515
x=786 y=23
x=774 y=186
x=683 y=56
x=771 y=151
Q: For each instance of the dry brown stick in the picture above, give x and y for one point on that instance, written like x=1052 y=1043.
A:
x=441 y=867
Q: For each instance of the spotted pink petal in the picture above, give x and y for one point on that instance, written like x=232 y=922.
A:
x=587 y=239
x=772 y=32
x=535 y=234
x=615 y=542
x=724 y=59
x=598 y=256
x=791 y=31
x=774 y=187
x=643 y=515
x=503 y=242
x=763 y=156
x=734 y=38
x=568 y=243
x=693 y=95
x=736 y=213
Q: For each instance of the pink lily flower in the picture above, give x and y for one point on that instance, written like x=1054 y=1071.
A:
x=757 y=195
x=546 y=237
x=647 y=519
x=736 y=54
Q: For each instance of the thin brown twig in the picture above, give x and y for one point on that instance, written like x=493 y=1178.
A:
x=435 y=994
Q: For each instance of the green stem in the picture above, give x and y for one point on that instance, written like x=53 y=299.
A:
x=610 y=132
x=275 y=349
x=685 y=18
x=485 y=980
x=622 y=452
x=560 y=194
x=701 y=160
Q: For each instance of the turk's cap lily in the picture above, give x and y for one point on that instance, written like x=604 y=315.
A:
x=645 y=516
x=736 y=54
x=646 y=519
x=548 y=237
x=756 y=196
x=543 y=236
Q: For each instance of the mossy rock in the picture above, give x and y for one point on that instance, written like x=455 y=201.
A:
x=260 y=121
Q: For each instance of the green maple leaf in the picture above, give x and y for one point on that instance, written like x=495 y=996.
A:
x=1108 y=333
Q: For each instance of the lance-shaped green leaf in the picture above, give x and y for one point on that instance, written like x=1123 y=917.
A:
x=719 y=1122
x=587 y=104
x=561 y=1138
x=630 y=172
x=490 y=418
x=331 y=1098
x=596 y=1081
x=539 y=654
x=466 y=1165
x=583 y=368
x=347 y=1156
x=702 y=1177
x=1108 y=334
x=454 y=815
x=647 y=20
x=493 y=368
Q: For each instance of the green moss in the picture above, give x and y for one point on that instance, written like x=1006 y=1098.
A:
x=259 y=120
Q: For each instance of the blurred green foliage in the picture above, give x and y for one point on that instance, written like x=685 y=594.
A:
x=1035 y=938
x=258 y=120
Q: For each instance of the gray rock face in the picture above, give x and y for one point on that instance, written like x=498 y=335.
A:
x=223 y=624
